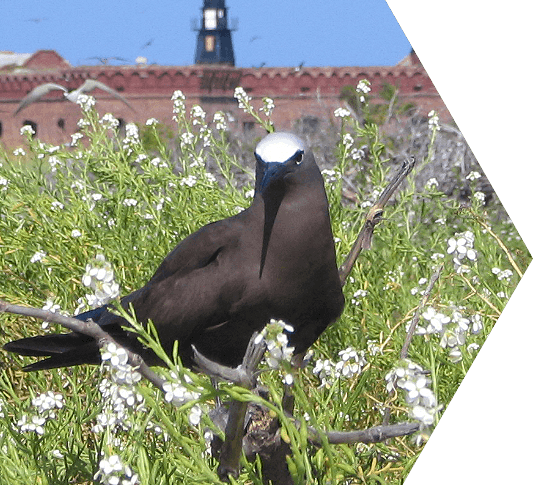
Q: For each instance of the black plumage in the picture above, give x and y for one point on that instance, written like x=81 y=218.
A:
x=275 y=259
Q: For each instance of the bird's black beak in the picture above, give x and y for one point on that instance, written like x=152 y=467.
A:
x=269 y=173
x=273 y=171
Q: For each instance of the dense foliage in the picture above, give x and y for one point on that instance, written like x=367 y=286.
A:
x=78 y=222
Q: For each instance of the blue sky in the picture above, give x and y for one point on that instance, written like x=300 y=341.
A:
x=287 y=33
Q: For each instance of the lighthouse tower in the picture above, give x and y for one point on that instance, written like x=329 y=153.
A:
x=214 y=45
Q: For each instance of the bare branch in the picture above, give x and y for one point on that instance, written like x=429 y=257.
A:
x=373 y=218
x=376 y=434
x=416 y=318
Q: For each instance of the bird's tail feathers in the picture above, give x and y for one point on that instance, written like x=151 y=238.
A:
x=62 y=350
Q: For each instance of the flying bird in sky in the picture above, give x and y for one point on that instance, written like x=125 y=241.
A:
x=89 y=85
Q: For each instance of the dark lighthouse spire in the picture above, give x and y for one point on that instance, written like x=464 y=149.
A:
x=214 y=44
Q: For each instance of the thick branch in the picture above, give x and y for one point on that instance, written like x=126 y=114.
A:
x=373 y=218
x=376 y=434
x=245 y=376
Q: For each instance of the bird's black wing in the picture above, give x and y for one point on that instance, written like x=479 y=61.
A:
x=189 y=289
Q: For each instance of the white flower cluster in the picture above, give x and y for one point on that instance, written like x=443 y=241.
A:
x=432 y=183
x=453 y=329
x=37 y=256
x=277 y=343
x=27 y=130
x=341 y=113
x=412 y=379
x=131 y=139
x=461 y=247
x=109 y=121
x=198 y=118
x=118 y=392
x=100 y=277
x=358 y=296
x=86 y=102
x=18 y=152
x=363 y=88
x=330 y=175
x=505 y=274
x=220 y=121
x=178 y=394
x=4 y=183
x=46 y=405
x=351 y=364
x=433 y=123
x=151 y=122
x=111 y=471
x=179 y=104
x=268 y=106
x=243 y=99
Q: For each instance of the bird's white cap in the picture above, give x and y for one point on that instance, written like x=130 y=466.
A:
x=279 y=147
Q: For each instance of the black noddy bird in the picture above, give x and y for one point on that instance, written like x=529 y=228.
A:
x=89 y=85
x=275 y=259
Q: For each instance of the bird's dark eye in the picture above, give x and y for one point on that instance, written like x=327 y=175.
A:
x=299 y=157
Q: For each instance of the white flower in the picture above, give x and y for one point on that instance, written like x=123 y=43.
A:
x=109 y=121
x=85 y=101
x=74 y=139
x=358 y=296
x=57 y=205
x=189 y=181
x=75 y=233
x=220 y=121
x=48 y=401
x=277 y=342
x=330 y=176
x=480 y=196
x=268 y=106
x=50 y=306
x=473 y=175
x=129 y=202
x=177 y=393
x=35 y=424
x=151 y=121
x=4 y=183
x=432 y=182
x=156 y=162
x=351 y=363
x=100 y=277
x=341 y=113
x=325 y=370
x=18 y=152
x=113 y=472
x=433 y=123
x=115 y=355
x=243 y=99
x=27 y=129
x=195 y=415
x=179 y=103
x=436 y=320
x=363 y=88
x=38 y=256
x=417 y=394
x=460 y=247
x=187 y=139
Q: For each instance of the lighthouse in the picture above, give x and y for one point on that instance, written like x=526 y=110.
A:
x=214 y=45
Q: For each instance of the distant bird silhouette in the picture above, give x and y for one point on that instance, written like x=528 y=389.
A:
x=147 y=44
x=275 y=259
x=105 y=60
x=86 y=87
x=36 y=20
